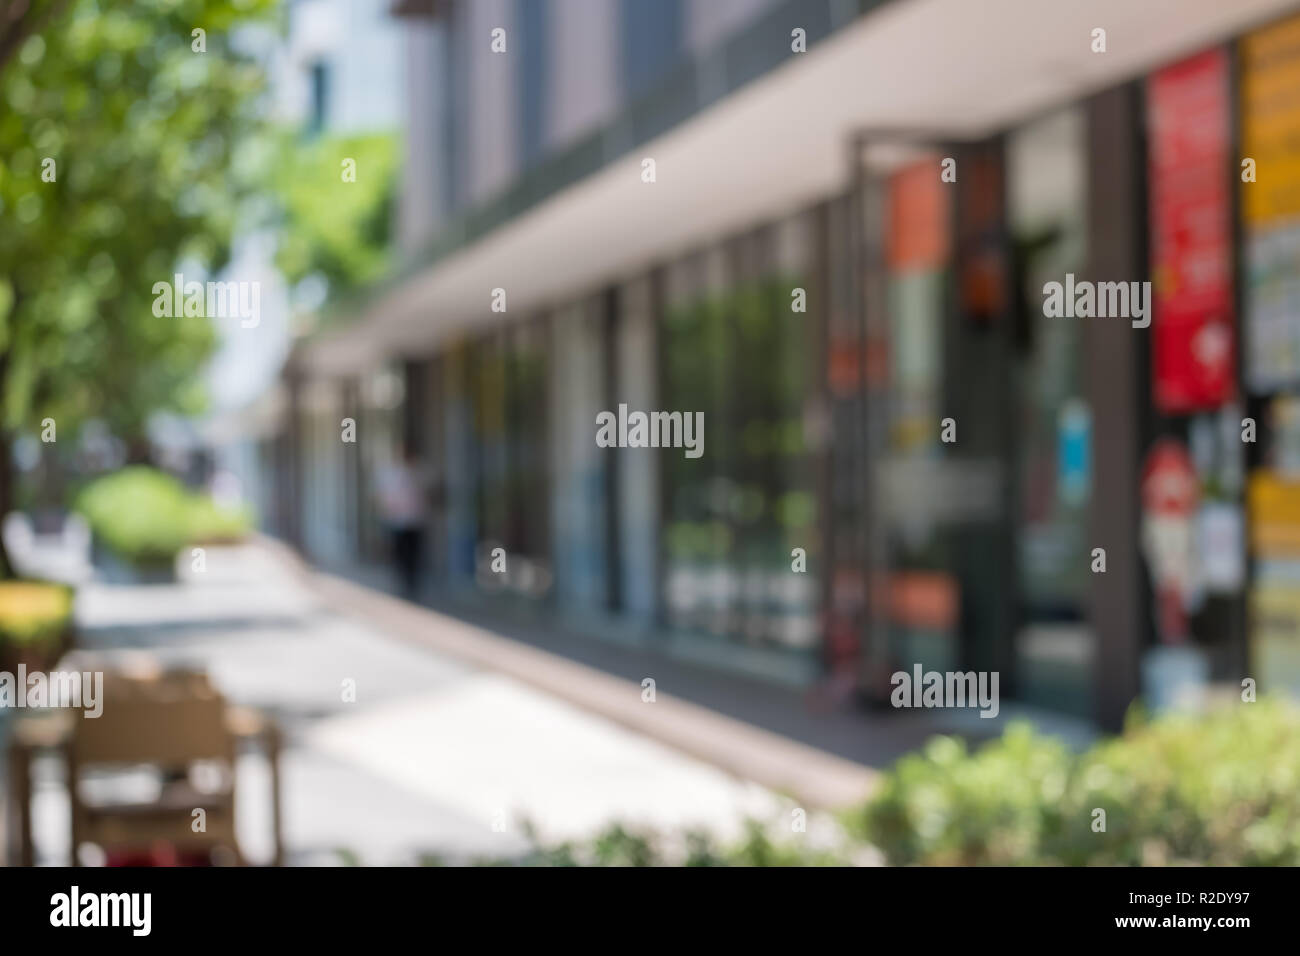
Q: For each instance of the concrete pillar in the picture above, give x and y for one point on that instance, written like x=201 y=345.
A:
x=1113 y=385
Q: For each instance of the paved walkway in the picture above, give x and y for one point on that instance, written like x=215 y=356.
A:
x=435 y=756
x=806 y=741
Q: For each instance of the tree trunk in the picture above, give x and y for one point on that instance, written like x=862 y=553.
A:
x=23 y=22
x=139 y=451
x=6 y=471
x=6 y=493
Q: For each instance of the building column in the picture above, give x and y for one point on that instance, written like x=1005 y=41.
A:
x=291 y=483
x=1113 y=384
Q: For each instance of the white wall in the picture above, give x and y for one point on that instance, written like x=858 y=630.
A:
x=583 y=69
x=491 y=122
x=710 y=22
x=420 y=201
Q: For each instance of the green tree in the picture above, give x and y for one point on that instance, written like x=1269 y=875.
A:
x=20 y=19
x=124 y=151
x=336 y=196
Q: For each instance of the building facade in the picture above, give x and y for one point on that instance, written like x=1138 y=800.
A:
x=830 y=228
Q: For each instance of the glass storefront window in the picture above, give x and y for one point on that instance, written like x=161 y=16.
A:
x=698 y=537
x=499 y=388
x=638 y=468
x=922 y=592
x=578 y=498
x=735 y=349
x=378 y=432
x=1047 y=194
x=526 y=532
x=461 y=474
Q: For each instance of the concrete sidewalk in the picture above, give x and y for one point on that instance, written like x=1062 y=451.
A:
x=453 y=736
x=805 y=742
x=811 y=776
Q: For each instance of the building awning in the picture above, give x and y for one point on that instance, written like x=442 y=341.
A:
x=957 y=68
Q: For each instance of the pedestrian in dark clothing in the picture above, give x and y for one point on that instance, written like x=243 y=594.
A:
x=402 y=504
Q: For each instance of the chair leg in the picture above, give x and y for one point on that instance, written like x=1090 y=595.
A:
x=273 y=755
x=21 y=852
x=74 y=804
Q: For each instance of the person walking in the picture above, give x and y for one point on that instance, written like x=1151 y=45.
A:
x=402 y=496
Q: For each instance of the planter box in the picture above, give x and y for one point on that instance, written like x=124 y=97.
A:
x=41 y=656
x=116 y=570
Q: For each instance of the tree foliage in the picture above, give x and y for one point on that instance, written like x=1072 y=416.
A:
x=333 y=228
x=153 y=148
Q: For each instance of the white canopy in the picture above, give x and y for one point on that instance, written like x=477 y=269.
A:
x=962 y=68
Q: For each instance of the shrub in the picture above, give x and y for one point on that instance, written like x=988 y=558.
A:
x=619 y=844
x=1221 y=789
x=146 y=516
x=1218 y=788
x=138 y=513
x=212 y=523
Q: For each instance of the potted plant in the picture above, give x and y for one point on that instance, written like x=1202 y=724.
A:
x=140 y=518
x=35 y=624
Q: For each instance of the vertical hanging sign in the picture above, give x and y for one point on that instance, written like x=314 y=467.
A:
x=1194 y=348
x=1270 y=90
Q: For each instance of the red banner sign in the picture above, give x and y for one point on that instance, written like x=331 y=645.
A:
x=1191 y=230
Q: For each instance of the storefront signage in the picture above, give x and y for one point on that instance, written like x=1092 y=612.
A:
x=1270 y=90
x=1170 y=496
x=1194 y=348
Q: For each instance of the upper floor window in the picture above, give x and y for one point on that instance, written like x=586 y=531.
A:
x=318 y=105
x=651 y=43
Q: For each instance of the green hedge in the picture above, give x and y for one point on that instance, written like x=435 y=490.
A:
x=620 y=845
x=211 y=523
x=1221 y=788
x=146 y=516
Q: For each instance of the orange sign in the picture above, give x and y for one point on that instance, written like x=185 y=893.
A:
x=918 y=218
x=1270 y=135
x=1274 y=516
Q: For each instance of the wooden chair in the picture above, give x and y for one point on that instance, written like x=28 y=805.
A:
x=169 y=722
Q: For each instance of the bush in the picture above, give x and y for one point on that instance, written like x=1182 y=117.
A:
x=138 y=513
x=1220 y=788
x=621 y=845
x=212 y=523
x=146 y=516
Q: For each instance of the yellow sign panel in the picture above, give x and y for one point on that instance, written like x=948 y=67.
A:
x=1270 y=91
x=1275 y=637
x=1274 y=515
x=1275 y=596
